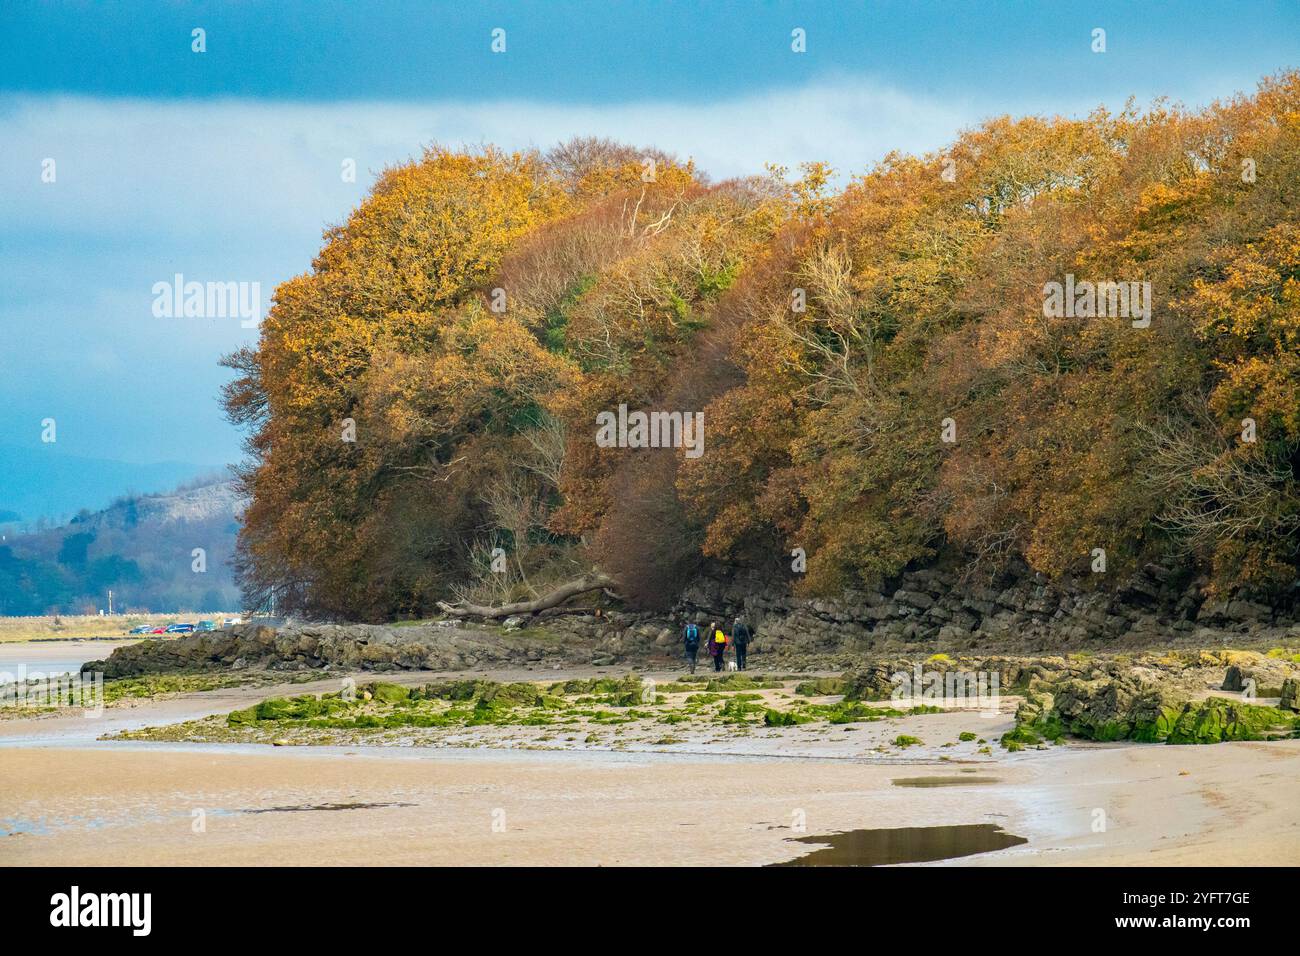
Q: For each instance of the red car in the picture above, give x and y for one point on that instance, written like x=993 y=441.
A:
x=159 y=630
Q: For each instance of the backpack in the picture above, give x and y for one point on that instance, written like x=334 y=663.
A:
x=692 y=634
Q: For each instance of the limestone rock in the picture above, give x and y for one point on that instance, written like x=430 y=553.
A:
x=1290 y=695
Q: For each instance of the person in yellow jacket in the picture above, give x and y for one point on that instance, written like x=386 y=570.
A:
x=717 y=644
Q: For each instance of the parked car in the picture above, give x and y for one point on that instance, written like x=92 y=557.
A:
x=141 y=629
x=207 y=626
x=232 y=621
x=180 y=629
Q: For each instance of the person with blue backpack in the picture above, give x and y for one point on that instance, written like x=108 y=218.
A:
x=691 y=641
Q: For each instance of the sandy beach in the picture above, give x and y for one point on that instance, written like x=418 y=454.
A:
x=70 y=798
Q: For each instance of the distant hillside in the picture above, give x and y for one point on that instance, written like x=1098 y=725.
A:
x=140 y=547
x=43 y=482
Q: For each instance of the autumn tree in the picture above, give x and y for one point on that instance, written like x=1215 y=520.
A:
x=882 y=381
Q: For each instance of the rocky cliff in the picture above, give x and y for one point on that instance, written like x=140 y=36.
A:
x=932 y=609
x=921 y=613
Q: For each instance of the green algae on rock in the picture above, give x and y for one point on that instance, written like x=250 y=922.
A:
x=821 y=687
x=1111 y=710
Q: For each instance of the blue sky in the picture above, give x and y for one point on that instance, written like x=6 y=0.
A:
x=225 y=165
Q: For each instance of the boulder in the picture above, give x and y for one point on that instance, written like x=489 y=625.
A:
x=916 y=599
x=1240 y=610
x=1290 y=695
x=952 y=633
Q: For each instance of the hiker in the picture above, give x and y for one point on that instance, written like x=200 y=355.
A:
x=717 y=644
x=691 y=641
x=740 y=636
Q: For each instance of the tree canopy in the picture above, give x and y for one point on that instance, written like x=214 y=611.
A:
x=882 y=385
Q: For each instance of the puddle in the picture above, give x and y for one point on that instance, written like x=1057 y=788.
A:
x=942 y=781
x=904 y=845
x=297 y=808
x=10 y=826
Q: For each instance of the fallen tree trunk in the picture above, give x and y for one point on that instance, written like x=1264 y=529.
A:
x=582 y=585
x=569 y=609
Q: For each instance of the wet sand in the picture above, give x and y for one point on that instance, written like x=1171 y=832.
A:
x=68 y=799
x=19 y=659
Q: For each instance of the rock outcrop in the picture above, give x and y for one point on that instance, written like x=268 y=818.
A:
x=1152 y=704
x=348 y=647
x=934 y=610
x=1148 y=697
x=1290 y=698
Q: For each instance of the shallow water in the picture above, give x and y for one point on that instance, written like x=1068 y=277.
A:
x=903 y=845
x=18 y=670
x=21 y=660
x=941 y=781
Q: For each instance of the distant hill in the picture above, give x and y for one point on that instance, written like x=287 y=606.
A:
x=142 y=547
x=45 y=483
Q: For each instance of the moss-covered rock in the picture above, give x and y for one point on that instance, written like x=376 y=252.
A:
x=1289 y=695
x=489 y=693
x=821 y=687
x=304 y=707
x=389 y=693
x=1215 y=720
x=242 y=718
x=1020 y=737
x=871 y=682
x=289 y=708
x=1110 y=709
x=625 y=691
x=738 y=711
x=851 y=712
x=455 y=690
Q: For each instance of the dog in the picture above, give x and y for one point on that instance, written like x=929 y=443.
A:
x=731 y=665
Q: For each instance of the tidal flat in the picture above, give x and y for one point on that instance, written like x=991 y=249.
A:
x=593 y=767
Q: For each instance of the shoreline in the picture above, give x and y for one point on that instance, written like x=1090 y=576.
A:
x=50 y=656
x=75 y=799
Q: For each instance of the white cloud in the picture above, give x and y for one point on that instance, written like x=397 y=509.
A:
x=241 y=189
x=187 y=170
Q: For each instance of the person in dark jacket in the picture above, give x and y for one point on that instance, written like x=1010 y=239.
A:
x=717 y=644
x=691 y=643
x=740 y=637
